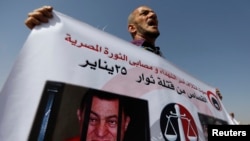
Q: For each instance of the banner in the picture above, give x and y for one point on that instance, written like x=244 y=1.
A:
x=66 y=60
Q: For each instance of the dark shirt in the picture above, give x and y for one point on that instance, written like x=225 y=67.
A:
x=142 y=43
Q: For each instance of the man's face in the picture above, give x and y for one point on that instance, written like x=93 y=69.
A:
x=146 y=22
x=103 y=121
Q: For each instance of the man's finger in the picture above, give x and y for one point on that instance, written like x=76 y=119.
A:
x=31 y=22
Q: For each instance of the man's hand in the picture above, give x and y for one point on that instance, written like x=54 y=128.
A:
x=38 y=16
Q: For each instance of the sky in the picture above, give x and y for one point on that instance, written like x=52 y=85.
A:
x=209 y=40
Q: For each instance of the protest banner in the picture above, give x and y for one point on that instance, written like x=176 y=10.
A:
x=61 y=60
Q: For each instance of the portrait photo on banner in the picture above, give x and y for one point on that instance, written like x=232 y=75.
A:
x=68 y=112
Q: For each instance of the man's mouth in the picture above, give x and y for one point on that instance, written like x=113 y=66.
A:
x=152 y=23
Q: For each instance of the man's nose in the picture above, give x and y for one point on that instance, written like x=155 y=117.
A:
x=102 y=130
x=152 y=15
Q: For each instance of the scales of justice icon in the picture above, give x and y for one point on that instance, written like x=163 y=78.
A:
x=173 y=136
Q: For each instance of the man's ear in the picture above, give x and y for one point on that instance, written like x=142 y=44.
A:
x=131 y=28
x=127 y=121
x=79 y=115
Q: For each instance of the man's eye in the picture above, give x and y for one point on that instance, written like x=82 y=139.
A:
x=144 y=13
x=93 y=121
x=112 y=123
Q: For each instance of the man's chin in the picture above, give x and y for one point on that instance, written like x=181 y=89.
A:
x=153 y=34
x=153 y=30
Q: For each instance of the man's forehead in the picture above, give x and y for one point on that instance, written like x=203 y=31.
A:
x=143 y=8
x=114 y=100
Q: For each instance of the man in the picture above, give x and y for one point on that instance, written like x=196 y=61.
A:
x=142 y=25
x=102 y=116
